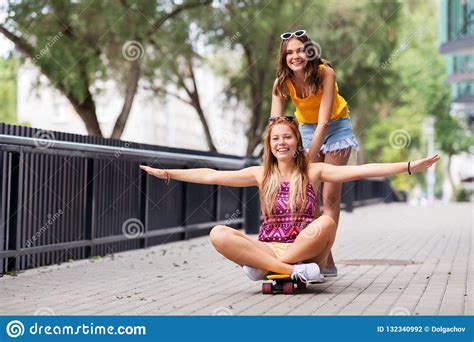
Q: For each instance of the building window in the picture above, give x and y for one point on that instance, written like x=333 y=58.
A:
x=463 y=63
x=470 y=122
x=460 y=18
x=464 y=89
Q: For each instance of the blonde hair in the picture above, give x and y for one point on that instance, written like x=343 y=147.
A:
x=271 y=175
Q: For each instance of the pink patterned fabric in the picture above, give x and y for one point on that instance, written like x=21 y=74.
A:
x=279 y=227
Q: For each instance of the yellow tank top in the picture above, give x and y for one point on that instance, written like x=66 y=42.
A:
x=307 y=109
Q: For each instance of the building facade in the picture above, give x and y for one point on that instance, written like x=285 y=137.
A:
x=457 y=46
x=152 y=120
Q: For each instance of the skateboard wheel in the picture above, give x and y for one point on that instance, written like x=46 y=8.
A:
x=301 y=285
x=288 y=288
x=267 y=288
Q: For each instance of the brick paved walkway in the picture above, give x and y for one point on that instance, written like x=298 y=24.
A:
x=190 y=278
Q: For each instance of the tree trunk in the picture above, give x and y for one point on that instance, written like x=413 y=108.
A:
x=193 y=95
x=253 y=141
x=256 y=103
x=87 y=111
x=359 y=124
x=130 y=91
x=253 y=133
x=85 y=108
x=205 y=126
x=257 y=125
x=450 y=178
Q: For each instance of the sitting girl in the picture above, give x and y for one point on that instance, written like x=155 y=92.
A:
x=291 y=240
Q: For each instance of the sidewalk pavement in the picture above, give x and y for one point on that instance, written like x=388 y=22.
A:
x=393 y=259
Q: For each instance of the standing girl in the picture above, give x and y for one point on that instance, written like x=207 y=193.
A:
x=310 y=82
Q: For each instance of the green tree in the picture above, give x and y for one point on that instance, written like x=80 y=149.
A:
x=355 y=36
x=77 y=43
x=8 y=71
x=252 y=29
x=453 y=138
x=175 y=76
x=358 y=37
x=418 y=90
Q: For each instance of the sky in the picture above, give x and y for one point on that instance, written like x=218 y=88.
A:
x=5 y=45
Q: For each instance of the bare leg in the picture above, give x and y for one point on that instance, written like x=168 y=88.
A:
x=244 y=250
x=313 y=243
x=332 y=192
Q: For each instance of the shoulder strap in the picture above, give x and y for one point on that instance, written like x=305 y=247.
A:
x=291 y=87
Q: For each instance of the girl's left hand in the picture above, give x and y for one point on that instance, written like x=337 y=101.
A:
x=423 y=164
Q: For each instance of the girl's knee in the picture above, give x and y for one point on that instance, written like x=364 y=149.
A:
x=327 y=221
x=326 y=224
x=329 y=224
x=323 y=227
x=218 y=235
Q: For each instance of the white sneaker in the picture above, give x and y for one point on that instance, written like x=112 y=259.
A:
x=320 y=280
x=306 y=273
x=255 y=273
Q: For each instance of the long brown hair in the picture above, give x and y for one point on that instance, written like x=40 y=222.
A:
x=313 y=78
x=271 y=175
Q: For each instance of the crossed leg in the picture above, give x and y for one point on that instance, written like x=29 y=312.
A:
x=243 y=250
x=313 y=244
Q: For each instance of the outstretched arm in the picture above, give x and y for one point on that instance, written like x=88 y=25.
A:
x=278 y=102
x=333 y=173
x=238 y=178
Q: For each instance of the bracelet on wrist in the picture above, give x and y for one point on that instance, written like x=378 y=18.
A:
x=168 y=176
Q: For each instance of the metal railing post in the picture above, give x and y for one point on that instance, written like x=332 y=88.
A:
x=251 y=205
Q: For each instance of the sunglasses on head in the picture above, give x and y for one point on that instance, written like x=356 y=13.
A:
x=274 y=119
x=288 y=35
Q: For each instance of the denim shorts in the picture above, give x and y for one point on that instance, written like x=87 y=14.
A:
x=339 y=136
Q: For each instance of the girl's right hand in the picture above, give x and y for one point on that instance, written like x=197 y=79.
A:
x=159 y=173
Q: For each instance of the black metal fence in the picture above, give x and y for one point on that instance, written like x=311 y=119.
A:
x=368 y=191
x=67 y=196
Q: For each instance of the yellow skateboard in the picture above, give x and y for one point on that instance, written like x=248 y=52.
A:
x=282 y=283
